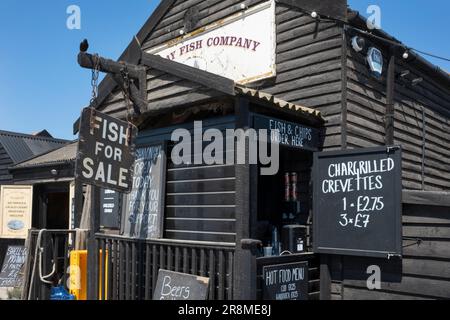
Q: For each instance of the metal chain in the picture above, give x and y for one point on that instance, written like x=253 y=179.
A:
x=94 y=84
x=126 y=93
x=94 y=80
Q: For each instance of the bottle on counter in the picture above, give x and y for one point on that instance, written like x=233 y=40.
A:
x=276 y=242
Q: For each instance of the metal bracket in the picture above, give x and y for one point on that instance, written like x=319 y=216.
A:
x=390 y=149
x=394 y=255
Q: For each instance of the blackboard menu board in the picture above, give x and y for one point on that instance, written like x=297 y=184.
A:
x=110 y=208
x=12 y=265
x=357 y=202
x=286 y=282
x=180 y=286
x=288 y=133
x=145 y=204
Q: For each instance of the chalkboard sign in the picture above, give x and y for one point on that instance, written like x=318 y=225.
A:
x=357 y=202
x=145 y=203
x=180 y=286
x=110 y=208
x=286 y=282
x=288 y=133
x=12 y=266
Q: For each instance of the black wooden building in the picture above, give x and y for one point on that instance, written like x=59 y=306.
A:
x=209 y=226
x=14 y=149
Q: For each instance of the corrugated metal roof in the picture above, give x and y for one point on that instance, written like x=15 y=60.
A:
x=278 y=102
x=21 y=147
x=62 y=155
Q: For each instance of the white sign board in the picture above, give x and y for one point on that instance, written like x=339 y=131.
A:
x=240 y=47
x=16 y=205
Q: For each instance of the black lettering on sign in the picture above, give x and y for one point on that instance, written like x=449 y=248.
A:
x=180 y=286
x=357 y=202
x=144 y=205
x=10 y=275
x=286 y=282
x=105 y=151
x=288 y=133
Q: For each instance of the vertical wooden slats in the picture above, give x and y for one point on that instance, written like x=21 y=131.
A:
x=121 y=271
x=154 y=267
x=102 y=261
x=148 y=266
x=212 y=275
x=185 y=260
x=221 y=275
x=194 y=261
x=115 y=270
x=127 y=270
x=133 y=271
x=229 y=275
x=130 y=268
x=202 y=263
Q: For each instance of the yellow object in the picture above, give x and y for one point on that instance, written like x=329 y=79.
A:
x=78 y=274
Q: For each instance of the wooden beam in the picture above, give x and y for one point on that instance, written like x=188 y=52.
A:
x=390 y=100
x=88 y=61
x=207 y=79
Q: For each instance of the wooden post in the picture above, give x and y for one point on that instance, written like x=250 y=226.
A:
x=390 y=96
x=93 y=250
x=244 y=279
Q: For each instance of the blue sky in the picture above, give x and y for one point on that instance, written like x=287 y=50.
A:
x=42 y=86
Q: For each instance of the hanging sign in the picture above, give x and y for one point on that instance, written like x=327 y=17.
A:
x=145 y=203
x=357 y=202
x=105 y=151
x=286 y=282
x=180 y=286
x=226 y=46
x=16 y=206
x=10 y=274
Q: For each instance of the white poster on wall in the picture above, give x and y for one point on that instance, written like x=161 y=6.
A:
x=16 y=205
x=240 y=47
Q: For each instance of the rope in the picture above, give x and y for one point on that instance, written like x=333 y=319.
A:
x=38 y=257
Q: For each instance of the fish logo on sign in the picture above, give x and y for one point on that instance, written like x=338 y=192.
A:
x=105 y=151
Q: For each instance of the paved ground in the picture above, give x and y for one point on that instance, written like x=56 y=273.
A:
x=3 y=293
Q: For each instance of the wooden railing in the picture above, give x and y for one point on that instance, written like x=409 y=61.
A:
x=130 y=266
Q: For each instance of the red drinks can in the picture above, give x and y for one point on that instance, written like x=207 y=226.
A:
x=287 y=187
x=294 y=189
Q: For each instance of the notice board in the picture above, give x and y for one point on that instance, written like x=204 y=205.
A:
x=10 y=274
x=16 y=206
x=357 y=202
x=144 y=206
x=286 y=281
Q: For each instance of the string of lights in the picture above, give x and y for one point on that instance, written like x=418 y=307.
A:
x=315 y=15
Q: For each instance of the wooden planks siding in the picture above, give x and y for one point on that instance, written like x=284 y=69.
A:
x=308 y=61
x=422 y=122
x=424 y=271
x=5 y=163
x=309 y=67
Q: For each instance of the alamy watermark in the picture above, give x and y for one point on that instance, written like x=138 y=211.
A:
x=73 y=21
x=234 y=146
x=374 y=19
